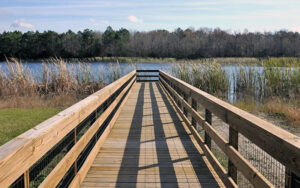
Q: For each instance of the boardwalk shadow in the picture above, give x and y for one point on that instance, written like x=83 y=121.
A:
x=165 y=163
x=203 y=173
x=129 y=169
x=129 y=166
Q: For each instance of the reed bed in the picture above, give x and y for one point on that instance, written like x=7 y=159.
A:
x=281 y=62
x=207 y=77
x=57 y=85
x=260 y=82
x=268 y=81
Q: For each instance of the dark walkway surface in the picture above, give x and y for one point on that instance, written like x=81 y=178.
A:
x=150 y=146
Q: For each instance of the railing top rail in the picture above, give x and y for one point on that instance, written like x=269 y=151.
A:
x=145 y=70
x=30 y=146
x=282 y=145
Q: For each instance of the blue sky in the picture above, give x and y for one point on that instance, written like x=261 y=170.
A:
x=231 y=15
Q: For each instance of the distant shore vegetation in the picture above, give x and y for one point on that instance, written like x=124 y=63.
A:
x=178 y=44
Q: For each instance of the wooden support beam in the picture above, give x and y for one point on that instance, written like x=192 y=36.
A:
x=208 y=119
x=194 y=106
x=291 y=179
x=233 y=141
x=26 y=179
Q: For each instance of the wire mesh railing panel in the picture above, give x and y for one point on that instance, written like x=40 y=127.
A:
x=242 y=181
x=67 y=179
x=19 y=183
x=273 y=170
x=39 y=171
x=219 y=154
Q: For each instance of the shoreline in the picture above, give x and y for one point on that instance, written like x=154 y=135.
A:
x=147 y=59
x=268 y=61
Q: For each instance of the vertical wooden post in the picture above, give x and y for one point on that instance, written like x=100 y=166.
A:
x=178 y=101
x=288 y=178
x=291 y=180
x=26 y=179
x=233 y=140
x=184 y=109
x=75 y=140
x=194 y=106
x=208 y=118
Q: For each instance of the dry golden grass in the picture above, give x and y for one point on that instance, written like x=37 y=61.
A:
x=60 y=86
x=283 y=109
x=247 y=105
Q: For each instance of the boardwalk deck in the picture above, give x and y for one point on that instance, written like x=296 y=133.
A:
x=150 y=146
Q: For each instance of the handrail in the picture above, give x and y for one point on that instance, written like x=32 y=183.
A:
x=151 y=75
x=32 y=145
x=280 y=144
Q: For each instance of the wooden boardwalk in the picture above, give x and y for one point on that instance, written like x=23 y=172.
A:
x=144 y=134
x=150 y=146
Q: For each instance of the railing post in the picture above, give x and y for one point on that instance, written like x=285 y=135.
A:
x=178 y=101
x=185 y=112
x=26 y=179
x=75 y=140
x=291 y=180
x=233 y=141
x=208 y=119
x=194 y=106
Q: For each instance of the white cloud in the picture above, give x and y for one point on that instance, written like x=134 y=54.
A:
x=134 y=19
x=22 y=23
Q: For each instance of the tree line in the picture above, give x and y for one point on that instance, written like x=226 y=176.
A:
x=188 y=43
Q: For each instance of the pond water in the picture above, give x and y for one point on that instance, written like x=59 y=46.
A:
x=102 y=70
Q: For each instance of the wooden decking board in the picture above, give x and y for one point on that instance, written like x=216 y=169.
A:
x=150 y=146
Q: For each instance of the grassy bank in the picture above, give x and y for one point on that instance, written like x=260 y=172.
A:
x=14 y=122
x=286 y=112
x=271 y=61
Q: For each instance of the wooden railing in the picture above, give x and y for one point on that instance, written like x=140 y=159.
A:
x=147 y=75
x=278 y=143
x=68 y=141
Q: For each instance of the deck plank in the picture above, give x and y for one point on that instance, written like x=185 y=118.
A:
x=150 y=146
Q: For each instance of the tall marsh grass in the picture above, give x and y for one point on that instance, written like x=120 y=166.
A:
x=210 y=78
x=58 y=84
x=269 y=82
x=207 y=77
x=281 y=62
x=259 y=82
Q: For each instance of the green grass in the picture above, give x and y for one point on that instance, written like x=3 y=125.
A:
x=14 y=122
